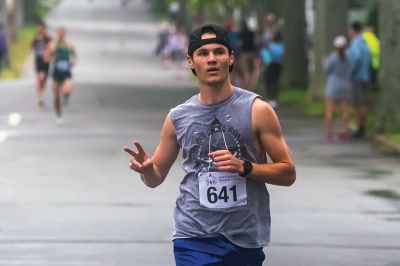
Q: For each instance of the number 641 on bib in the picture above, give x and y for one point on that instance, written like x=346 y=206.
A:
x=219 y=190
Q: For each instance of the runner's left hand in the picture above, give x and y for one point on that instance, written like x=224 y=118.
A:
x=226 y=161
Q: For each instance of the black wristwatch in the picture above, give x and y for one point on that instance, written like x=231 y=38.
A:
x=248 y=167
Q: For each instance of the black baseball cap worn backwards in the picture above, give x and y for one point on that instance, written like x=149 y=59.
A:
x=195 y=41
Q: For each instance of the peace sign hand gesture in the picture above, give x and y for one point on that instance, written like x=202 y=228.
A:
x=141 y=161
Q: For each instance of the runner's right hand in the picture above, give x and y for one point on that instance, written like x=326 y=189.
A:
x=141 y=161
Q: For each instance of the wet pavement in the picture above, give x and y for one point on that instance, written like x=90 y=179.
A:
x=67 y=196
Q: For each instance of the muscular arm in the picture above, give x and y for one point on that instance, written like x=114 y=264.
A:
x=268 y=131
x=268 y=139
x=153 y=171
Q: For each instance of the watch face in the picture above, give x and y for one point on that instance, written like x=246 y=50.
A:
x=248 y=167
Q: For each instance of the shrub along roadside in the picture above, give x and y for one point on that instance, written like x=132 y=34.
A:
x=299 y=97
x=316 y=109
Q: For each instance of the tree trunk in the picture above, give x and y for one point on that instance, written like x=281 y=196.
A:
x=277 y=8
x=295 y=63
x=3 y=13
x=29 y=11
x=389 y=111
x=229 y=8
x=183 y=16
x=330 y=21
x=15 y=19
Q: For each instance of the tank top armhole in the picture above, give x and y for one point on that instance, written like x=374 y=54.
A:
x=261 y=157
x=171 y=115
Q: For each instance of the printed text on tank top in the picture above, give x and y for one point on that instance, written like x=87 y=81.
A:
x=219 y=190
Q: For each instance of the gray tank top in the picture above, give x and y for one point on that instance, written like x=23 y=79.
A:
x=201 y=129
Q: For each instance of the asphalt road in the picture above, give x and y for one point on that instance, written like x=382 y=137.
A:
x=67 y=196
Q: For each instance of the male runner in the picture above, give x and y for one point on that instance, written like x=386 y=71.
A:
x=222 y=214
x=63 y=56
x=39 y=46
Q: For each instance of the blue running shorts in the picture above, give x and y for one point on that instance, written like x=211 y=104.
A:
x=215 y=251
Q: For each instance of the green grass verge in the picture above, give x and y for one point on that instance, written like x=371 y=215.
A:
x=316 y=109
x=299 y=97
x=18 y=53
x=394 y=137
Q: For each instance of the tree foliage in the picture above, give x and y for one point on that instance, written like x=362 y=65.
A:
x=198 y=11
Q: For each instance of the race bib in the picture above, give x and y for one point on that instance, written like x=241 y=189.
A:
x=39 y=52
x=219 y=190
x=62 y=65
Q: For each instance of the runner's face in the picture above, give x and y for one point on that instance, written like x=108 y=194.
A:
x=211 y=62
x=61 y=33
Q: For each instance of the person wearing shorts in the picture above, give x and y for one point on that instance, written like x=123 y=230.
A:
x=63 y=57
x=222 y=213
x=39 y=47
x=337 y=89
x=360 y=61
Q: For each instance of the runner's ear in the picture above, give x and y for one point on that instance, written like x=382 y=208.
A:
x=191 y=63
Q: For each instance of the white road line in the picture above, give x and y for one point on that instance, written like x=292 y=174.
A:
x=3 y=136
x=14 y=119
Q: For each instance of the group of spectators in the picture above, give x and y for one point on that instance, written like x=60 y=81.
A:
x=259 y=53
x=259 y=56
x=352 y=67
x=172 y=45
